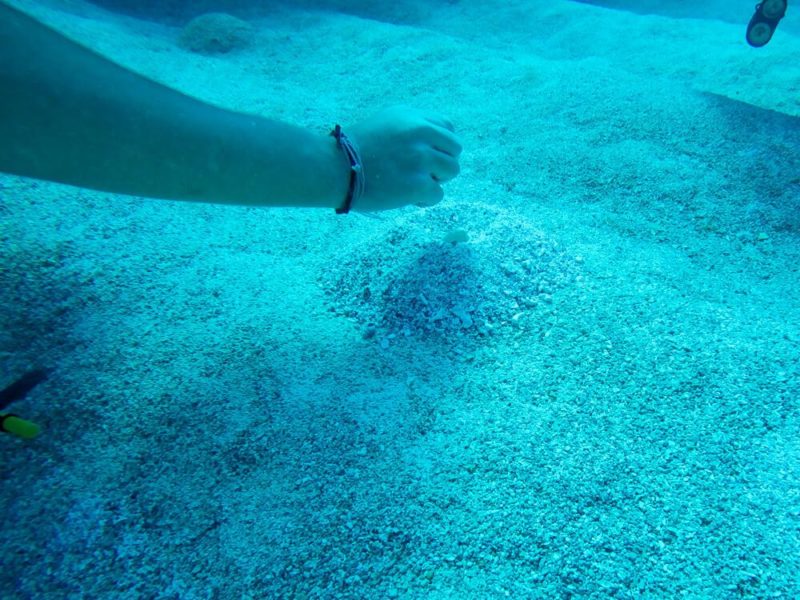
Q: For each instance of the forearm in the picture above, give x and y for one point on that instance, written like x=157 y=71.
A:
x=69 y=115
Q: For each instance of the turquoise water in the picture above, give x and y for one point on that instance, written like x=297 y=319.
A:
x=576 y=377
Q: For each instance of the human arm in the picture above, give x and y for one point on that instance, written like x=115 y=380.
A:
x=68 y=114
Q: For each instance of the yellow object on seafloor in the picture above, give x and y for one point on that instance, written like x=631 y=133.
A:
x=19 y=427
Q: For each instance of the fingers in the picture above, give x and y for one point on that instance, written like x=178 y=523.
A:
x=440 y=121
x=443 y=166
x=443 y=140
x=447 y=143
x=443 y=151
x=410 y=156
x=441 y=156
x=440 y=133
x=430 y=193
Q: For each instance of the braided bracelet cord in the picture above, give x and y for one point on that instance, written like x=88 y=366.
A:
x=355 y=187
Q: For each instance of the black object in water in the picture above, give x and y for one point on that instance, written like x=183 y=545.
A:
x=20 y=388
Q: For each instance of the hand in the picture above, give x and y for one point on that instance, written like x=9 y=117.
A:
x=406 y=156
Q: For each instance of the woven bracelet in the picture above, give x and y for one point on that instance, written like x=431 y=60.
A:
x=355 y=187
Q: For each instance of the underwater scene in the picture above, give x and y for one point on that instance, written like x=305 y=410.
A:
x=444 y=299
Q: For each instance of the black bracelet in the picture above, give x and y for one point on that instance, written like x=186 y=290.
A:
x=355 y=187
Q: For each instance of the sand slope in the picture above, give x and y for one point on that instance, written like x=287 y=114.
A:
x=224 y=422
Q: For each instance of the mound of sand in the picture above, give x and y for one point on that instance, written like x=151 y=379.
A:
x=463 y=270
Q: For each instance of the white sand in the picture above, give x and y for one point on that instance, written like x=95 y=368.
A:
x=215 y=428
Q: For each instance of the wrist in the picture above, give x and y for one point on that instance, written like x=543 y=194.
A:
x=355 y=183
x=339 y=173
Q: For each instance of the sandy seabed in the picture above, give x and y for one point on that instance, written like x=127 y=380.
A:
x=576 y=377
